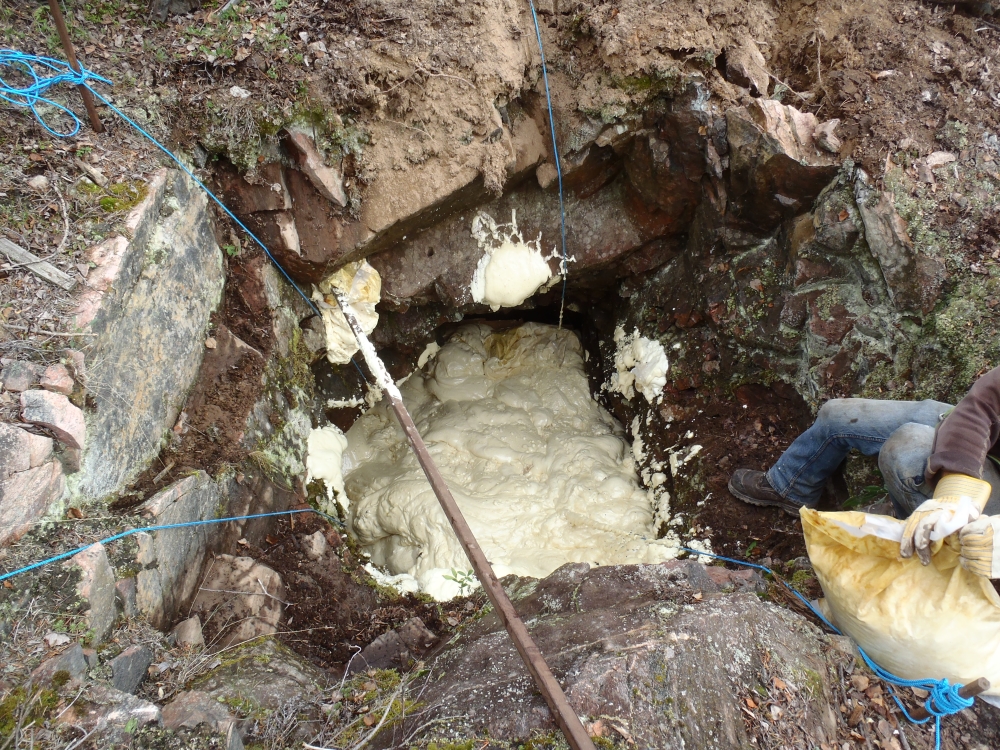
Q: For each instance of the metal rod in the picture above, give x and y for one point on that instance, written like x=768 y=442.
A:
x=971 y=690
x=546 y=683
x=88 y=98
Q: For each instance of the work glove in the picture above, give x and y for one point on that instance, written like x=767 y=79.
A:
x=979 y=555
x=958 y=499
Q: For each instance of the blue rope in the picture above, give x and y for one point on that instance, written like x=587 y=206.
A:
x=943 y=699
x=30 y=96
x=555 y=155
x=130 y=532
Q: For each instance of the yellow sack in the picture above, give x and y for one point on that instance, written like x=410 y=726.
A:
x=918 y=622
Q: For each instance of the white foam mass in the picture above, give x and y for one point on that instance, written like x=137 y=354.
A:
x=324 y=461
x=510 y=269
x=542 y=473
x=362 y=288
x=640 y=365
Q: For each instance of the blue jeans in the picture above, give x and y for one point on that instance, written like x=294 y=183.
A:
x=900 y=432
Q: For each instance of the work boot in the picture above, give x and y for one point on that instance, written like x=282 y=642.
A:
x=752 y=487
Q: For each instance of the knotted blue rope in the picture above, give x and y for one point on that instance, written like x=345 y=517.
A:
x=32 y=95
x=943 y=699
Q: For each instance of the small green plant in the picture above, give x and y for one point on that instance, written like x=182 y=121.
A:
x=465 y=579
x=280 y=4
x=131 y=725
x=231 y=250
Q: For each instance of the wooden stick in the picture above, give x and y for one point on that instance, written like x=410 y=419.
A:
x=36 y=265
x=88 y=98
x=546 y=683
x=971 y=690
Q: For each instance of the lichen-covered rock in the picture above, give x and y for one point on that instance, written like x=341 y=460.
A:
x=147 y=306
x=172 y=559
x=239 y=599
x=26 y=496
x=96 y=590
x=666 y=654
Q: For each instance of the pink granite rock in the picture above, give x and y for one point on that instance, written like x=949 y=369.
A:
x=25 y=496
x=21 y=450
x=56 y=378
x=54 y=410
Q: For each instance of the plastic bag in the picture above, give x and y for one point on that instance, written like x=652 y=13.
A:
x=918 y=622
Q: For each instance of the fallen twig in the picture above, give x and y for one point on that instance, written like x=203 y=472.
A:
x=36 y=265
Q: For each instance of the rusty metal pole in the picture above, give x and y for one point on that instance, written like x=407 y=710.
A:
x=545 y=681
x=971 y=690
x=88 y=98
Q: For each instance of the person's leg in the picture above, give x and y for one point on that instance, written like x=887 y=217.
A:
x=842 y=424
x=902 y=461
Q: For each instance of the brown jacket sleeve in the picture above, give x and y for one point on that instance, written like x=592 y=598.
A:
x=969 y=431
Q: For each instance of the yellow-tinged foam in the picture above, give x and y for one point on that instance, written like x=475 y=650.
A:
x=540 y=470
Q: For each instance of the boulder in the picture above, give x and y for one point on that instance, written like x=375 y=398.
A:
x=745 y=66
x=652 y=647
x=18 y=376
x=239 y=599
x=128 y=669
x=194 y=708
x=125 y=594
x=776 y=166
x=913 y=279
x=25 y=497
x=329 y=181
x=146 y=306
x=56 y=378
x=172 y=559
x=72 y=661
x=21 y=450
x=110 y=712
x=265 y=674
x=96 y=590
x=187 y=633
x=54 y=411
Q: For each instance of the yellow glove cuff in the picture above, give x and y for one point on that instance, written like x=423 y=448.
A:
x=951 y=487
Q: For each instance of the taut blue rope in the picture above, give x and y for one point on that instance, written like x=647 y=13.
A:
x=130 y=532
x=555 y=155
x=943 y=699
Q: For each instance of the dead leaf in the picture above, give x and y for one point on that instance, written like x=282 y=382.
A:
x=75 y=512
x=597 y=728
x=270 y=539
x=368 y=720
x=750 y=703
x=844 y=213
x=779 y=683
x=940 y=158
x=756 y=285
x=860 y=682
x=856 y=715
x=369 y=686
x=697 y=596
x=8 y=585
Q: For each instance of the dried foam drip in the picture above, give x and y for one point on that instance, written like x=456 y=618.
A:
x=540 y=470
x=510 y=270
x=640 y=364
x=362 y=289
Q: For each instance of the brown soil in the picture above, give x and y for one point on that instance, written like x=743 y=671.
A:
x=210 y=433
x=334 y=606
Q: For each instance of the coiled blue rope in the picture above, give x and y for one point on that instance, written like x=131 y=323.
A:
x=564 y=268
x=165 y=527
x=943 y=699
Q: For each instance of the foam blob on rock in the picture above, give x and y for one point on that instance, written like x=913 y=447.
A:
x=325 y=448
x=640 y=365
x=362 y=287
x=542 y=473
x=510 y=270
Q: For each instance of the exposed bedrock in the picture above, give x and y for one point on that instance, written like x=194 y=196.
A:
x=667 y=654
